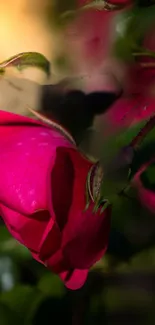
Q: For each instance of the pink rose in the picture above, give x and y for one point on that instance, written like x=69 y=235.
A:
x=89 y=41
x=138 y=102
x=90 y=45
x=43 y=198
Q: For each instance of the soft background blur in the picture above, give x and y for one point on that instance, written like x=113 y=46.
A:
x=119 y=290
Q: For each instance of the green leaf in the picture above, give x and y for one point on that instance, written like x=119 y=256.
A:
x=26 y=60
x=113 y=145
x=116 y=173
x=116 y=158
x=131 y=29
x=117 y=170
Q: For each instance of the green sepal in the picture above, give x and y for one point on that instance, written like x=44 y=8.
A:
x=26 y=60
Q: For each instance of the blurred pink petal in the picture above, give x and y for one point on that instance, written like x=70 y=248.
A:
x=129 y=111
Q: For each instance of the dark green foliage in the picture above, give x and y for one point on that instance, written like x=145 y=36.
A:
x=134 y=25
x=148 y=177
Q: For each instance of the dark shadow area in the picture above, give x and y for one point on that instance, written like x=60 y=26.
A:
x=74 y=109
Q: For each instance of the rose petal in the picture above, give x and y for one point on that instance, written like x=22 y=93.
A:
x=62 y=181
x=25 y=182
x=70 y=170
x=74 y=279
x=128 y=111
x=88 y=235
x=39 y=233
x=89 y=42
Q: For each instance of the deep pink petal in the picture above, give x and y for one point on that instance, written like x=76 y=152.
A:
x=89 y=38
x=82 y=229
x=28 y=153
x=88 y=235
x=74 y=279
x=27 y=158
x=39 y=233
x=62 y=183
x=11 y=119
x=70 y=170
x=128 y=111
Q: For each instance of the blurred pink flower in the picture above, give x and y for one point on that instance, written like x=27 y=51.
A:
x=43 y=198
x=128 y=111
x=90 y=40
x=138 y=101
x=140 y=86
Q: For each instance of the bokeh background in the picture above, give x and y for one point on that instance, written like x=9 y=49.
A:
x=121 y=287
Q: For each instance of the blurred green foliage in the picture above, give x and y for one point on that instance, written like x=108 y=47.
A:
x=115 y=289
x=131 y=29
x=57 y=10
x=25 y=286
